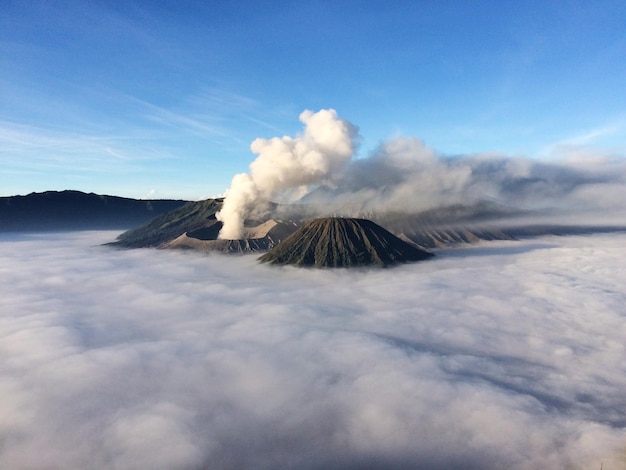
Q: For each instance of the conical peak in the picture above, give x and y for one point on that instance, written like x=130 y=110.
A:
x=343 y=242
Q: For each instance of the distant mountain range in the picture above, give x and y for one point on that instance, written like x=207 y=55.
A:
x=193 y=225
x=75 y=210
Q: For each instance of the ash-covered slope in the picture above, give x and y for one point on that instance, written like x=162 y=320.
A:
x=343 y=242
x=258 y=238
x=194 y=226
x=193 y=216
x=448 y=226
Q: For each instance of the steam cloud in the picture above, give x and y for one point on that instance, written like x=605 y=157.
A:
x=286 y=163
x=404 y=175
x=502 y=355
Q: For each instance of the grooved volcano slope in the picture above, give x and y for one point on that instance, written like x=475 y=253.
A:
x=342 y=242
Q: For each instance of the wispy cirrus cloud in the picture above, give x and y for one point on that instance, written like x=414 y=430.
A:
x=215 y=113
x=602 y=138
x=62 y=146
x=199 y=126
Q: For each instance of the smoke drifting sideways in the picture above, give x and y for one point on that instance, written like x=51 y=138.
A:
x=404 y=175
x=572 y=185
x=284 y=164
x=501 y=355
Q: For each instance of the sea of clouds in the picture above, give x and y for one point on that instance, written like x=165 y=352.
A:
x=501 y=355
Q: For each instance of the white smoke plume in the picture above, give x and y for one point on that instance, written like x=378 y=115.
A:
x=574 y=185
x=404 y=175
x=286 y=163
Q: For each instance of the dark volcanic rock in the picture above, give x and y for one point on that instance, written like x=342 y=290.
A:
x=343 y=242
x=258 y=238
x=192 y=217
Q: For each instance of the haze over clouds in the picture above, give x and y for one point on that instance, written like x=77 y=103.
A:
x=502 y=355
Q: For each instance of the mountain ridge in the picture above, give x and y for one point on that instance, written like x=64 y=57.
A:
x=76 y=210
x=193 y=224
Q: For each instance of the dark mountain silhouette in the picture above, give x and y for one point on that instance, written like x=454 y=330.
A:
x=75 y=210
x=198 y=217
x=194 y=226
x=343 y=242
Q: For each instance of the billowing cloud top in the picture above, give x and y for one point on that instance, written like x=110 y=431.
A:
x=404 y=175
x=286 y=163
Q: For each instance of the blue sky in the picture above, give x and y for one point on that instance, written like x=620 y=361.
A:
x=162 y=99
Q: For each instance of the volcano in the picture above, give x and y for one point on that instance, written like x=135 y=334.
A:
x=343 y=242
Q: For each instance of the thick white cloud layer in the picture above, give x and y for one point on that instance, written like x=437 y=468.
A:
x=503 y=355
